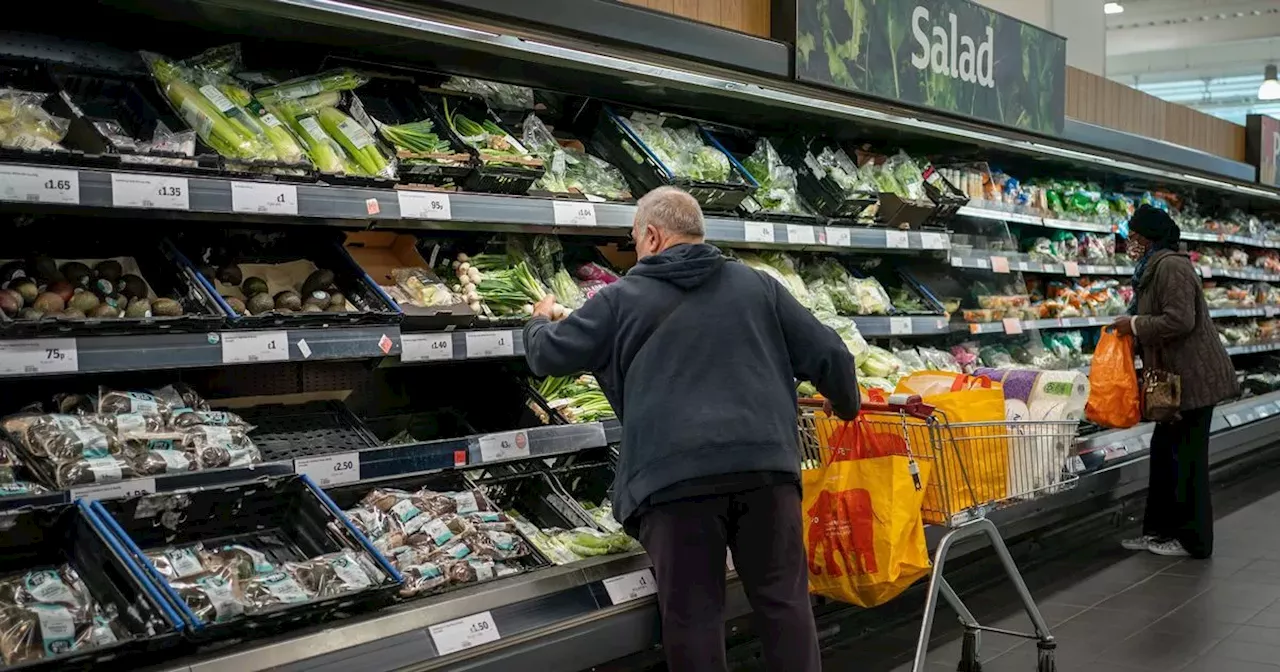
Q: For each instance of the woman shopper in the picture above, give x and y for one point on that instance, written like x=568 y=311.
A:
x=1170 y=319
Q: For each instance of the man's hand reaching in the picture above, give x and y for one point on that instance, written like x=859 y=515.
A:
x=546 y=308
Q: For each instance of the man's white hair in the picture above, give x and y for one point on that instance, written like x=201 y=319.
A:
x=673 y=210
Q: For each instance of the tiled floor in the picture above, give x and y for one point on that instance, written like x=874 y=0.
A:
x=1116 y=611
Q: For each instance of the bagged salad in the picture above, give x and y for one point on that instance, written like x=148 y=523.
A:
x=777 y=190
x=681 y=149
x=571 y=170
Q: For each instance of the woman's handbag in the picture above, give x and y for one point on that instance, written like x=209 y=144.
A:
x=1161 y=394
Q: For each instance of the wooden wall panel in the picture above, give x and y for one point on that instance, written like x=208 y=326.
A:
x=1100 y=101
x=747 y=16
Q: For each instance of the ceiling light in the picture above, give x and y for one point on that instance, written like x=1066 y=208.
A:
x=1113 y=8
x=1270 y=89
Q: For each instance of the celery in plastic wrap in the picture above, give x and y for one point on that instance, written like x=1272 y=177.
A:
x=777 y=192
x=848 y=332
x=569 y=170
x=310 y=104
x=492 y=141
x=24 y=124
x=224 y=114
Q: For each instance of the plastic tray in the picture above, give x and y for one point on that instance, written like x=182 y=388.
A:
x=613 y=140
x=487 y=177
x=38 y=538
x=160 y=266
x=347 y=496
x=246 y=247
x=817 y=188
x=283 y=432
x=290 y=508
x=134 y=103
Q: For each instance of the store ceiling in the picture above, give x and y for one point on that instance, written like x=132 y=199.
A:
x=1208 y=54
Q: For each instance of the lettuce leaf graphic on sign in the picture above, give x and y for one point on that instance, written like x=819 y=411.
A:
x=949 y=55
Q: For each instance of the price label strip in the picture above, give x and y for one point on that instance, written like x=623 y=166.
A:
x=574 y=213
x=631 y=587
x=839 y=236
x=150 y=192
x=897 y=240
x=490 y=344
x=933 y=241
x=424 y=205
x=329 y=470
x=426 y=347
x=39 y=185
x=133 y=487
x=503 y=446
x=265 y=198
x=801 y=234
x=758 y=232
x=49 y=355
x=464 y=633
x=246 y=347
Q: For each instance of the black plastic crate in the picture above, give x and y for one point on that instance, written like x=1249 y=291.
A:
x=285 y=431
x=942 y=201
x=502 y=496
x=393 y=101
x=614 y=140
x=488 y=176
x=210 y=249
x=289 y=516
x=33 y=76
x=159 y=265
x=816 y=187
x=739 y=144
x=134 y=104
x=48 y=537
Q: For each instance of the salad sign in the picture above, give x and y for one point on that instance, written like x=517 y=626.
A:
x=950 y=55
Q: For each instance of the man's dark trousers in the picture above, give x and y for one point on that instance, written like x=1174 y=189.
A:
x=686 y=541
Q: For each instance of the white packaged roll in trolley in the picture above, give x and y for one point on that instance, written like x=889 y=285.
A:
x=1057 y=397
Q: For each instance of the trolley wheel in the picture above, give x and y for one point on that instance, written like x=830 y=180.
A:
x=969 y=653
x=1045 y=659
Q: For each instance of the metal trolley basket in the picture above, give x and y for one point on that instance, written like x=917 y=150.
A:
x=977 y=467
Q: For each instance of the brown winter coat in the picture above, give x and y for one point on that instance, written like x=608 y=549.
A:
x=1175 y=332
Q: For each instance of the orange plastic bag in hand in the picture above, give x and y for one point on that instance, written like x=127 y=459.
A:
x=1114 y=400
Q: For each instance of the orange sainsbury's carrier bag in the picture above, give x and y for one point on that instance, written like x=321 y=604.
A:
x=863 y=533
x=1114 y=397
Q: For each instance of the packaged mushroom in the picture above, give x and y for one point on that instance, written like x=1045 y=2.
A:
x=121 y=401
x=273 y=589
x=330 y=575
x=221 y=446
x=163 y=452
x=93 y=470
x=48 y=612
x=213 y=597
x=178 y=562
x=65 y=438
x=187 y=418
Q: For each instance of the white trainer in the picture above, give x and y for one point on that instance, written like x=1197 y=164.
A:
x=1138 y=543
x=1171 y=548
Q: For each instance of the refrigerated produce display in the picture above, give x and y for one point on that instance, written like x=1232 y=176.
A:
x=264 y=277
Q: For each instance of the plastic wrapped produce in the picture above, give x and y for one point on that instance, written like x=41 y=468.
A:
x=49 y=612
x=777 y=190
x=826 y=276
x=880 y=363
x=265 y=591
x=681 y=149
x=330 y=575
x=221 y=446
x=187 y=419
x=938 y=360
x=177 y=562
x=839 y=167
x=236 y=560
x=121 y=401
x=24 y=124
x=498 y=94
x=213 y=597
x=570 y=170
x=420 y=287
x=870 y=297
x=93 y=470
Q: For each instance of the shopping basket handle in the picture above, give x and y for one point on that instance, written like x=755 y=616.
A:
x=898 y=403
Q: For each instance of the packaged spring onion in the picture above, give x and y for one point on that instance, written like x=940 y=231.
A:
x=223 y=113
x=336 y=142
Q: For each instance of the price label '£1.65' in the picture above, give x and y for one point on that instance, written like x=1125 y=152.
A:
x=39 y=185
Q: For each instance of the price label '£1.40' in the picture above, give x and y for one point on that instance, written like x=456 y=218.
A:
x=426 y=347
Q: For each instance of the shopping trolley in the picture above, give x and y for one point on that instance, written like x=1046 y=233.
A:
x=977 y=467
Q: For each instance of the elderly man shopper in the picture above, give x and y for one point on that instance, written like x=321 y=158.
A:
x=699 y=355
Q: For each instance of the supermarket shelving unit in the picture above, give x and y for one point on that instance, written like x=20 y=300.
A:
x=571 y=617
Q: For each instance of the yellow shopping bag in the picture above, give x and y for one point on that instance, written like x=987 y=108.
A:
x=864 y=534
x=970 y=452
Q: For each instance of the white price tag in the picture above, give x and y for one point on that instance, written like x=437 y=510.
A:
x=897 y=240
x=899 y=326
x=424 y=205
x=264 y=198
x=839 y=236
x=150 y=191
x=933 y=241
x=504 y=446
x=1000 y=264
x=1012 y=325
x=426 y=347
x=1071 y=268
x=758 y=232
x=982 y=263
x=327 y=470
x=240 y=347
x=1022 y=266
x=1267 y=410
x=1234 y=420
x=574 y=213
x=801 y=234
x=631 y=587
x=464 y=633
x=39 y=185
x=49 y=355
x=490 y=344
x=1206 y=271
x=1145 y=440
x=134 y=487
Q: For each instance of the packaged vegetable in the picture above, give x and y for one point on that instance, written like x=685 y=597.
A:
x=777 y=190
x=570 y=170
x=681 y=149
x=24 y=124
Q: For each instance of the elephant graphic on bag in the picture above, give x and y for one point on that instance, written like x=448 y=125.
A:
x=843 y=523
